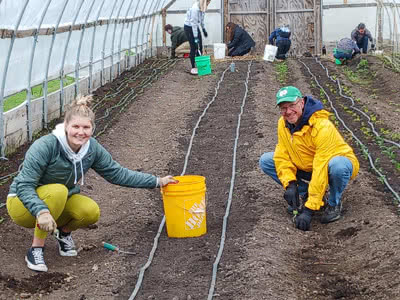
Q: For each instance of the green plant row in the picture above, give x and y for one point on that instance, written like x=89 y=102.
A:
x=37 y=92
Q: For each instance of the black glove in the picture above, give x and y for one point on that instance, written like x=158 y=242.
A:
x=373 y=46
x=292 y=195
x=205 y=32
x=303 y=220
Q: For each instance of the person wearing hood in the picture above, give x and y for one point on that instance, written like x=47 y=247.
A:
x=361 y=35
x=240 y=41
x=281 y=38
x=194 y=22
x=179 y=41
x=310 y=155
x=45 y=194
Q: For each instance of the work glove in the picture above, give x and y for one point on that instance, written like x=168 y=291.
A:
x=196 y=41
x=292 y=195
x=46 y=222
x=166 y=180
x=205 y=32
x=372 y=46
x=303 y=220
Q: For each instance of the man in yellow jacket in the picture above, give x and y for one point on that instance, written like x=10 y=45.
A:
x=310 y=154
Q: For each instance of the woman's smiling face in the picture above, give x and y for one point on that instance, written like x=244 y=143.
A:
x=78 y=131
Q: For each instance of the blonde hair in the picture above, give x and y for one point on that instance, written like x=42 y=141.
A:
x=80 y=108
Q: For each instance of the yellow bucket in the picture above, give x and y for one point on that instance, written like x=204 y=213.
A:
x=185 y=206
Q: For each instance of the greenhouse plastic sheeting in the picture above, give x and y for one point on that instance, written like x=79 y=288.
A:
x=18 y=68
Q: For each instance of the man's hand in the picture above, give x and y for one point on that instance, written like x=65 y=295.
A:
x=46 y=222
x=205 y=32
x=372 y=46
x=167 y=180
x=303 y=220
x=292 y=195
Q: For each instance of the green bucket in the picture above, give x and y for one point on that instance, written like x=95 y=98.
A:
x=203 y=64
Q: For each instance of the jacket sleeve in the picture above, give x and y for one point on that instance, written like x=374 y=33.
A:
x=202 y=17
x=114 y=173
x=174 y=42
x=354 y=35
x=34 y=166
x=326 y=138
x=368 y=34
x=285 y=169
x=355 y=47
x=272 y=37
x=195 y=21
x=236 y=39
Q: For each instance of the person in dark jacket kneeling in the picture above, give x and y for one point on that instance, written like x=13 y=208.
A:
x=45 y=195
x=281 y=37
x=240 y=41
x=179 y=40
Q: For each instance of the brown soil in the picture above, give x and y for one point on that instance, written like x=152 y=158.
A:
x=264 y=256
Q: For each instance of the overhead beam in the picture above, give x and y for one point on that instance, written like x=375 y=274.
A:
x=358 y=5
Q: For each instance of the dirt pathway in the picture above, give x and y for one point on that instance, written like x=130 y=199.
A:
x=265 y=257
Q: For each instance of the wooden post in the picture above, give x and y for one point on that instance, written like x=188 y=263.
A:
x=379 y=12
x=317 y=28
x=226 y=14
x=164 y=22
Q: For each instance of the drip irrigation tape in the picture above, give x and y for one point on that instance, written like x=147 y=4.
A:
x=126 y=99
x=155 y=68
x=353 y=107
x=156 y=238
x=228 y=206
x=363 y=147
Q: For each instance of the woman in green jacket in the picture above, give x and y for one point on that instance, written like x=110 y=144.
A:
x=45 y=195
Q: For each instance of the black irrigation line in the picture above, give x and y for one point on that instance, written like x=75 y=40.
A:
x=133 y=93
x=353 y=107
x=125 y=82
x=364 y=148
x=157 y=68
x=225 y=220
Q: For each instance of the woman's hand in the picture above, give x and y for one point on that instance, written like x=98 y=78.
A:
x=166 y=180
x=46 y=222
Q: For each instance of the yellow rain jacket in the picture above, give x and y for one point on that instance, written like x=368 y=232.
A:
x=310 y=149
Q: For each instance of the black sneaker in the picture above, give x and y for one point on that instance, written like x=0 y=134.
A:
x=66 y=245
x=331 y=214
x=35 y=259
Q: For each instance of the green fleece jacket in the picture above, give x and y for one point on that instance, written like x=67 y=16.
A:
x=47 y=162
x=178 y=37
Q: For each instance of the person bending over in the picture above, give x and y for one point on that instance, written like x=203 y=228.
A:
x=179 y=41
x=193 y=23
x=346 y=49
x=361 y=35
x=240 y=41
x=310 y=154
x=45 y=195
x=281 y=37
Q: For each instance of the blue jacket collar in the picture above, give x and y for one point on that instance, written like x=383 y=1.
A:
x=311 y=106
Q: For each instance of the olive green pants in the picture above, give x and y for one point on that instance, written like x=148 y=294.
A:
x=74 y=212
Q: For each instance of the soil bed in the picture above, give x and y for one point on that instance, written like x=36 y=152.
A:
x=264 y=256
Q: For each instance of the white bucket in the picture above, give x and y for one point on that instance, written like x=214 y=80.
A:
x=270 y=52
x=219 y=51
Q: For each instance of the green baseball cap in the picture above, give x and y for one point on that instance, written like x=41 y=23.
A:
x=288 y=94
